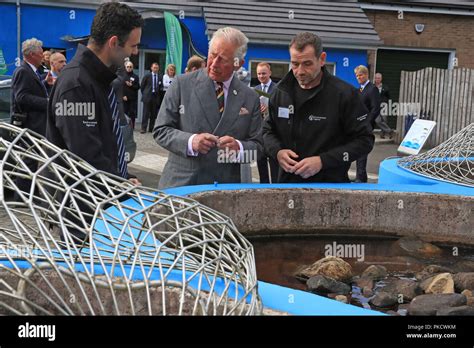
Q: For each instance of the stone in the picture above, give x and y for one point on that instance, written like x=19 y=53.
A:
x=442 y=283
x=383 y=299
x=341 y=298
x=375 y=272
x=463 y=281
x=432 y=270
x=324 y=285
x=467 y=293
x=364 y=282
x=367 y=292
x=464 y=266
x=461 y=310
x=404 y=289
x=330 y=266
x=429 y=304
x=470 y=301
x=416 y=247
x=393 y=313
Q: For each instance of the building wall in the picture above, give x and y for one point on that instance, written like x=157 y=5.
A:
x=441 y=31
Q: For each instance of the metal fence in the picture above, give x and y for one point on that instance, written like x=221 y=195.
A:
x=443 y=96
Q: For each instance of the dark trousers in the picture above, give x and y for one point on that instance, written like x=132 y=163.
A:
x=262 y=165
x=130 y=109
x=361 y=165
x=150 y=111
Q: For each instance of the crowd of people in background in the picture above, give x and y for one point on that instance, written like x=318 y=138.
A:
x=309 y=127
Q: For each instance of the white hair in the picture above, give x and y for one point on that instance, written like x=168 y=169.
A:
x=31 y=45
x=236 y=37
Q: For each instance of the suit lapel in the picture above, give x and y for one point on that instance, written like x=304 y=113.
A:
x=206 y=94
x=232 y=107
x=36 y=78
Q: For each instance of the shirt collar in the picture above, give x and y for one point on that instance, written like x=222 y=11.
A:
x=365 y=84
x=225 y=83
x=32 y=66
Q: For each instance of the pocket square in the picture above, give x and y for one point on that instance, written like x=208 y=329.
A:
x=243 y=111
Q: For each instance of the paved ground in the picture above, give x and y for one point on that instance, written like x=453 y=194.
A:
x=151 y=158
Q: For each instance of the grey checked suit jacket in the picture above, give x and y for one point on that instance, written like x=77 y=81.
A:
x=190 y=107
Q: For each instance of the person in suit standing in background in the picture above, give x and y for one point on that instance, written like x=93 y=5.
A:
x=210 y=121
x=151 y=87
x=371 y=98
x=130 y=92
x=385 y=97
x=264 y=74
x=29 y=98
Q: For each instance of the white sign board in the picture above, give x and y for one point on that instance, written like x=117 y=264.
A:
x=416 y=137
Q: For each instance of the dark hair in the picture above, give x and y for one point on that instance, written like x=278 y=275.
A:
x=111 y=19
x=301 y=40
x=195 y=62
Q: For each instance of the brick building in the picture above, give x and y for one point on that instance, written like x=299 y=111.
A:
x=416 y=35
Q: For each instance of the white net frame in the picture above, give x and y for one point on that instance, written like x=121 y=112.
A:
x=451 y=161
x=142 y=252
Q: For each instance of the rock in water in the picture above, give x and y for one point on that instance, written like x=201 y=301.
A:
x=375 y=272
x=341 y=298
x=383 y=299
x=429 y=304
x=332 y=267
x=325 y=285
x=417 y=247
x=439 y=284
x=432 y=270
x=463 y=281
x=405 y=289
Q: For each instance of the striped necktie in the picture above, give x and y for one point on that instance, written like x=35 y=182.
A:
x=220 y=97
x=122 y=163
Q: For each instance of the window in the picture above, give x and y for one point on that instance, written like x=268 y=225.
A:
x=279 y=70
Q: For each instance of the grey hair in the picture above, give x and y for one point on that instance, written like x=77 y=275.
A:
x=236 y=37
x=31 y=45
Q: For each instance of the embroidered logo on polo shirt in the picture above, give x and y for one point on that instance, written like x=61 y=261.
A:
x=316 y=118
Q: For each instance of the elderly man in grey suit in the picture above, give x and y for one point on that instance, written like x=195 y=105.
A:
x=209 y=121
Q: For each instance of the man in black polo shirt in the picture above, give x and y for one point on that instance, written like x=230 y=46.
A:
x=83 y=113
x=317 y=123
x=84 y=87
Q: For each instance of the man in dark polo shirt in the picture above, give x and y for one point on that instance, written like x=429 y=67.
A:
x=85 y=84
x=317 y=123
x=83 y=113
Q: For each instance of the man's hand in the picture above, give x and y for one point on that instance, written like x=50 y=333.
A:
x=286 y=161
x=308 y=167
x=125 y=98
x=204 y=142
x=135 y=181
x=263 y=108
x=49 y=79
x=228 y=142
x=128 y=83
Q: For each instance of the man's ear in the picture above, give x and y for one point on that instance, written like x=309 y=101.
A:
x=113 y=41
x=322 y=58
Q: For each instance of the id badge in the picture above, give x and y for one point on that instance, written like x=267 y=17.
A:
x=283 y=112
